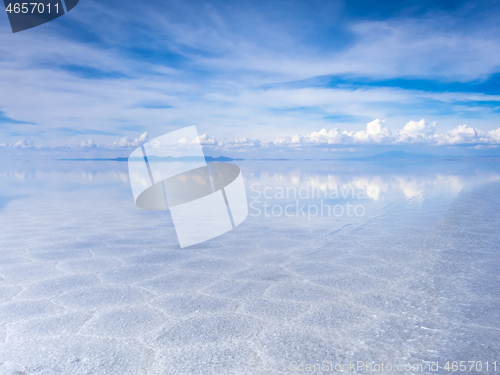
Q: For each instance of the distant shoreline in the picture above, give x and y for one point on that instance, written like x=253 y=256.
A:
x=387 y=156
x=166 y=158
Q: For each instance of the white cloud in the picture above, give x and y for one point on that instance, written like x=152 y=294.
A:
x=462 y=134
x=418 y=129
x=495 y=135
x=375 y=132
x=328 y=137
x=322 y=137
x=24 y=143
x=206 y=140
x=240 y=144
x=128 y=142
x=240 y=62
x=89 y=143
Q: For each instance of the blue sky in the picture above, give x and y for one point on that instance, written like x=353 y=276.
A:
x=256 y=76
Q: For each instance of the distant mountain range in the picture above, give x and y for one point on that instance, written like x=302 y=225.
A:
x=208 y=159
x=390 y=155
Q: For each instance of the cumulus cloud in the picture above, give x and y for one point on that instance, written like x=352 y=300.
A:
x=418 y=130
x=463 y=134
x=328 y=137
x=426 y=47
x=206 y=140
x=89 y=144
x=494 y=135
x=129 y=142
x=289 y=141
x=322 y=137
x=240 y=144
x=24 y=143
x=375 y=132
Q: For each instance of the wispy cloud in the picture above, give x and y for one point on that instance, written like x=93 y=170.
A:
x=250 y=75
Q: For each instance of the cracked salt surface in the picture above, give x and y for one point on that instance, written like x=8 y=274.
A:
x=91 y=285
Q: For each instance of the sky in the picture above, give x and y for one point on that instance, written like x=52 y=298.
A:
x=256 y=77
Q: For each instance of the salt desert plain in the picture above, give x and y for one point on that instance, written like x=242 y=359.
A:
x=90 y=284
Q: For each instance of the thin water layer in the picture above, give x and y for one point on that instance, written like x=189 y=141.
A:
x=337 y=263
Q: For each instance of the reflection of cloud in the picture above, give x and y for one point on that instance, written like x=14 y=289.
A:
x=329 y=182
x=121 y=176
x=295 y=180
x=88 y=176
x=140 y=180
x=22 y=175
x=453 y=184
x=68 y=172
x=375 y=188
x=409 y=187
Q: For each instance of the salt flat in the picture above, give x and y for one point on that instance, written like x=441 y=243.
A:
x=89 y=284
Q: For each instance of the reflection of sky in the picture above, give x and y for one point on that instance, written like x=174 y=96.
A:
x=373 y=185
x=79 y=262
x=377 y=182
